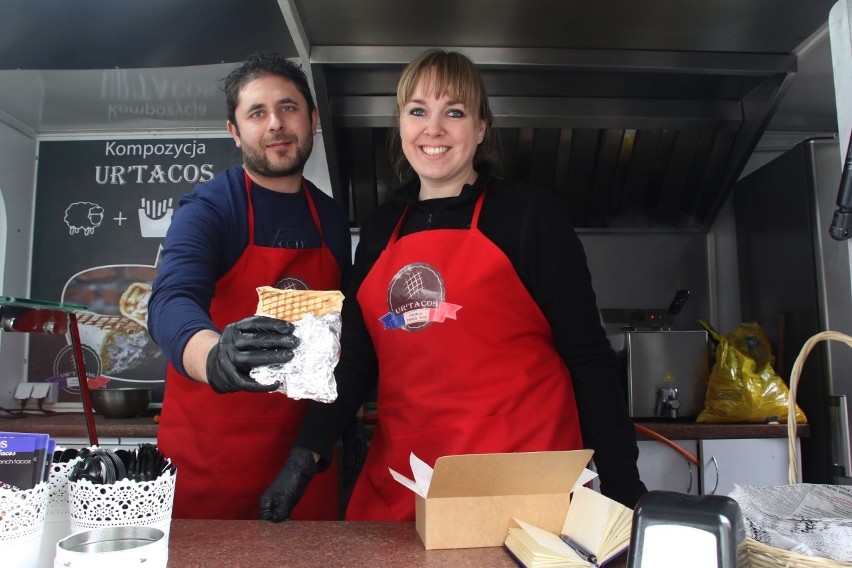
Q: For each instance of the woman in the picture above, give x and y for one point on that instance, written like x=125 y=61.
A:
x=472 y=310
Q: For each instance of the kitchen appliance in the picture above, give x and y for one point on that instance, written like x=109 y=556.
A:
x=664 y=373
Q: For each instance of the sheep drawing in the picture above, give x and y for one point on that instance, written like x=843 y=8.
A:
x=83 y=216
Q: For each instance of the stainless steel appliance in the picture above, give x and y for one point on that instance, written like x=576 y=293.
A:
x=795 y=280
x=665 y=373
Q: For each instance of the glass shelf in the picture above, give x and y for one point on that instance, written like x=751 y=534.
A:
x=24 y=315
x=28 y=303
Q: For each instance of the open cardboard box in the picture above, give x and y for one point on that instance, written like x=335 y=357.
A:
x=470 y=500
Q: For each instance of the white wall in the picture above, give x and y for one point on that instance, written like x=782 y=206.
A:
x=17 y=180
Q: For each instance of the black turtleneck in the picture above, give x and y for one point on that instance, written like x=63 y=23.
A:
x=532 y=228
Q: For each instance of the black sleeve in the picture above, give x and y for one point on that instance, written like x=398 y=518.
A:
x=552 y=264
x=357 y=371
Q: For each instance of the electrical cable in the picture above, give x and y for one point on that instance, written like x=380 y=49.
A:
x=17 y=413
x=660 y=438
x=23 y=412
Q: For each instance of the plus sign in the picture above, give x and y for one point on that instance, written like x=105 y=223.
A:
x=120 y=218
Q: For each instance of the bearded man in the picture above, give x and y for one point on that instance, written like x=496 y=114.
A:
x=258 y=224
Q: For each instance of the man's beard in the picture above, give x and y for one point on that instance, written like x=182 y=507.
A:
x=255 y=160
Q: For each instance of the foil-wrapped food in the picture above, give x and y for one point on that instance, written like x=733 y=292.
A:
x=316 y=316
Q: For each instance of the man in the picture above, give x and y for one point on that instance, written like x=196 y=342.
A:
x=259 y=224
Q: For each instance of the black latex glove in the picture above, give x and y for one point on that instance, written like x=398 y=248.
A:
x=282 y=496
x=354 y=442
x=250 y=342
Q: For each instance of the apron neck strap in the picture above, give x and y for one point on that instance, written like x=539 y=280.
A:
x=474 y=222
x=311 y=206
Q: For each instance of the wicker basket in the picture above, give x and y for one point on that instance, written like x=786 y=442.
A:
x=764 y=556
x=761 y=555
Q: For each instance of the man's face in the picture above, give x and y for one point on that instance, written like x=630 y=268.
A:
x=274 y=128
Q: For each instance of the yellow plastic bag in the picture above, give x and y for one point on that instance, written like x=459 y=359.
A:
x=743 y=386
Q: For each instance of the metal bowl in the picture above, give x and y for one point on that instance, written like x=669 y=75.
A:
x=120 y=403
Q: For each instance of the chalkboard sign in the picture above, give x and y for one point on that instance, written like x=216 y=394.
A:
x=102 y=210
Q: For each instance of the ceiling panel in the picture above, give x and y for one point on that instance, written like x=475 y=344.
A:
x=107 y=34
x=742 y=26
x=637 y=114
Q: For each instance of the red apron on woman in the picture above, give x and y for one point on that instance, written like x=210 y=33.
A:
x=466 y=362
x=228 y=448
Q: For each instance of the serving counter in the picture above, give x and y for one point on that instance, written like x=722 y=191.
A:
x=212 y=544
x=73 y=425
x=208 y=543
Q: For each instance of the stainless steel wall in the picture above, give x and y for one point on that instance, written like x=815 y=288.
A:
x=641 y=270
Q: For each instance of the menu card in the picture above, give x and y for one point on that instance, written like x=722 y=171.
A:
x=25 y=459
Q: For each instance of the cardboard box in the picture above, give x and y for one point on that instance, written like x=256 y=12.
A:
x=471 y=499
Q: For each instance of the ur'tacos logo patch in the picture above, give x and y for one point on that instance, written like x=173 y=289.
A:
x=416 y=299
x=291 y=282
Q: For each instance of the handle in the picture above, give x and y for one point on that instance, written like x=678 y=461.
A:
x=793 y=472
x=716 y=465
x=680 y=298
x=690 y=459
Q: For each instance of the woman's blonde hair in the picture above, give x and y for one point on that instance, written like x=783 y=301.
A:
x=452 y=74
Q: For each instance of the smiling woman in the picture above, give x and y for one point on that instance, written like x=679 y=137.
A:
x=444 y=124
x=471 y=312
x=439 y=137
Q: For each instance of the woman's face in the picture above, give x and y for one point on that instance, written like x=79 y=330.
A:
x=439 y=138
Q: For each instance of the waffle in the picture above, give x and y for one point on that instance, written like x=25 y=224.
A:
x=292 y=305
x=134 y=303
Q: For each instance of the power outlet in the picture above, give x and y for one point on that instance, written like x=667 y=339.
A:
x=41 y=391
x=52 y=394
x=24 y=391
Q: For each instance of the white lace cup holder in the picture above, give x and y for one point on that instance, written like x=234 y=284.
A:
x=22 y=513
x=123 y=503
x=57 y=498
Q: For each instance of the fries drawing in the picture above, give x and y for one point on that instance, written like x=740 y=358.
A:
x=155 y=216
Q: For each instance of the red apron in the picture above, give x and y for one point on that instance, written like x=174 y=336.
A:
x=466 y=363
x=228 y=448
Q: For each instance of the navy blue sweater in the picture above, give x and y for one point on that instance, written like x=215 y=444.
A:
x=207 y=235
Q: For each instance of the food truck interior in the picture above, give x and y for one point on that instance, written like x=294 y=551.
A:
x=643 y=117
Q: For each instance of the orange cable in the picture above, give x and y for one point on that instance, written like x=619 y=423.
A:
x=660 y=438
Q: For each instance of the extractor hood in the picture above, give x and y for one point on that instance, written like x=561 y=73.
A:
x=638 y=115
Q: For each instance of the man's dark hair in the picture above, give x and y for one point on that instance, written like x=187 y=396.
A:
x=259 y=65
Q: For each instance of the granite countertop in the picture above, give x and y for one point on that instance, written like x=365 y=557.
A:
x=212 y=544
x=73 y=424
